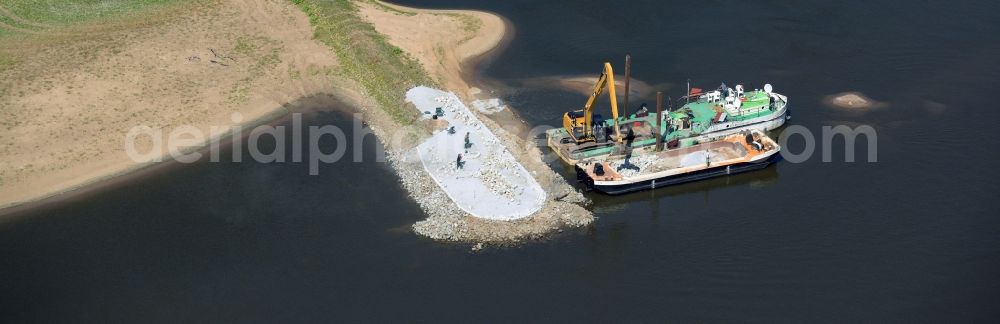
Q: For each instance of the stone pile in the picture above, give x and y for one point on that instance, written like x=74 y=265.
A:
x=642 y=162
x=445 y=220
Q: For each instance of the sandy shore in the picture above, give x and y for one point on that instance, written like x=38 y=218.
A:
x=446 y=42
x=168 y=74
x=81 y=90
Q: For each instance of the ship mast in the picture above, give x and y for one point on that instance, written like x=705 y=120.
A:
x=687 y=96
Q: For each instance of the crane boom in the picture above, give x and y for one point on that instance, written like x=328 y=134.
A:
x=586 y=134
x=588 y=108
x=614 y=99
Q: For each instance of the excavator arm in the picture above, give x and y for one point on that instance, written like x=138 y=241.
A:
x=588 y=108
x=607 y=79
x=614 y=99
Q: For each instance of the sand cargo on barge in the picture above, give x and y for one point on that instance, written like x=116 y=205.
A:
x=749 y=151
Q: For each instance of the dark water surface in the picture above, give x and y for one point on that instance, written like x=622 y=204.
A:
x=912 y=237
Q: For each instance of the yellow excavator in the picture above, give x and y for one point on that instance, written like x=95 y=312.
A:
x=580 y=124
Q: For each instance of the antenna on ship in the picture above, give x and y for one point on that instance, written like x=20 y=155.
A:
x=628 y=75
x=687 y=96
x=659 y=120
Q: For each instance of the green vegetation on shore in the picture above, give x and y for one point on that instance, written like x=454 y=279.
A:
x=384 y=70
x=41 y=16
x=264 y=55
x=470 y=25
x=7 y=62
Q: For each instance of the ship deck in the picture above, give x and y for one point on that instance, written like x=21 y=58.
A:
x=714 y=152
x=701 y=115
x=704 y=111
x=733 y=150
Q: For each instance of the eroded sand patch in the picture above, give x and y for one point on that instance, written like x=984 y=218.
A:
x=584 y=84
x=852 y=100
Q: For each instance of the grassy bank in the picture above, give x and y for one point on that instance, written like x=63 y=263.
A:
x=18 y=17
x=384 y=70
x=32 y=32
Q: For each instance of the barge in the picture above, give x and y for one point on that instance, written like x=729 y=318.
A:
x=737 y=153
x=705 y=116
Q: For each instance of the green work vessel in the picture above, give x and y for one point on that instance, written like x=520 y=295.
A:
x=705 y=116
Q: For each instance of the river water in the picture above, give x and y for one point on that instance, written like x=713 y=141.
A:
x=912 y=237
